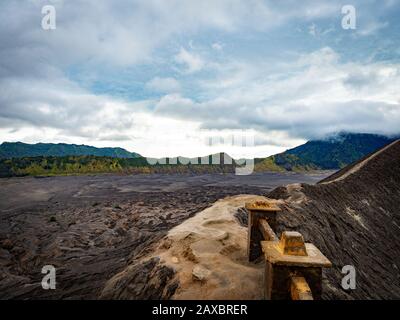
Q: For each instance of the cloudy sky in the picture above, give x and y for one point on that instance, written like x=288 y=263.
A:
x=159 y=77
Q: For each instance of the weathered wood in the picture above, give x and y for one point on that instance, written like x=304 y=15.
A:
x=265 y=206
x=277 y=280
x=293 y=269
x=299 y=289
x=254 y=237
x=274 y=252
x=283 y=262
x=292 y=243
x=266 y=230
x=259 y=210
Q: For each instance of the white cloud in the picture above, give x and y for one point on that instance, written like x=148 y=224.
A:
x=309 y=97
x=312 y=29
x=217 y=46
x=192 y=61
x=319 y=95
x=371 y=28
x=166 y=85
x=284 y=101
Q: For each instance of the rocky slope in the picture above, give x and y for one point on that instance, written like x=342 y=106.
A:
x=202 y=258
x=353 y=218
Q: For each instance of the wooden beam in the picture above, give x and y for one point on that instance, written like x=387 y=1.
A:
x=266 y=230
x=299 y=289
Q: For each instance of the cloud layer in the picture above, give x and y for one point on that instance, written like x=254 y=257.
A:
x=153 y=76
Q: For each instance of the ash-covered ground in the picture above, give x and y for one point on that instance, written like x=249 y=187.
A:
x=92 y=227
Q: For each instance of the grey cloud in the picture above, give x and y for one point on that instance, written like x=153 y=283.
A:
x=116 y=137
x=34 y=90
x=42 y=104
x=302 y=121
x=359 y=80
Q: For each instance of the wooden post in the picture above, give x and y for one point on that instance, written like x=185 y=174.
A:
x=289 y=259
x=259 y=210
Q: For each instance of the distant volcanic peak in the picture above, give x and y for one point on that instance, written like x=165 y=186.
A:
x=332 y=153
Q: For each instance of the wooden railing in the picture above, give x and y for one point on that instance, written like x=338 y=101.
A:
x=293 y=268
x=266 y=231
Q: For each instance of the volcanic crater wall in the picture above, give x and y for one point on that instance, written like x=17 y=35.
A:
x=353 y=218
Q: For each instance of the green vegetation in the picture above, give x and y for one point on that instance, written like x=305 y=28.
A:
x=330 y=154
x=10 y=150
x=38 y=166
x=333 y=153
x=75 y=165
x=267 y=164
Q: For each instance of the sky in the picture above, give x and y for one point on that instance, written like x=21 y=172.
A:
x=163 y=77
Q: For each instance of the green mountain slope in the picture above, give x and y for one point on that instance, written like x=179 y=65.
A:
x=334 y=152
x=19 y=150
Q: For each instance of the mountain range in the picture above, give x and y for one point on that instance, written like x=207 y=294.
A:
x=19 y=150
x=332 y=153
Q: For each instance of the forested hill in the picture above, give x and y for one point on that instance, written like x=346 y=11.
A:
x=67 y=165
x=335 y=152
x=19 y=150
